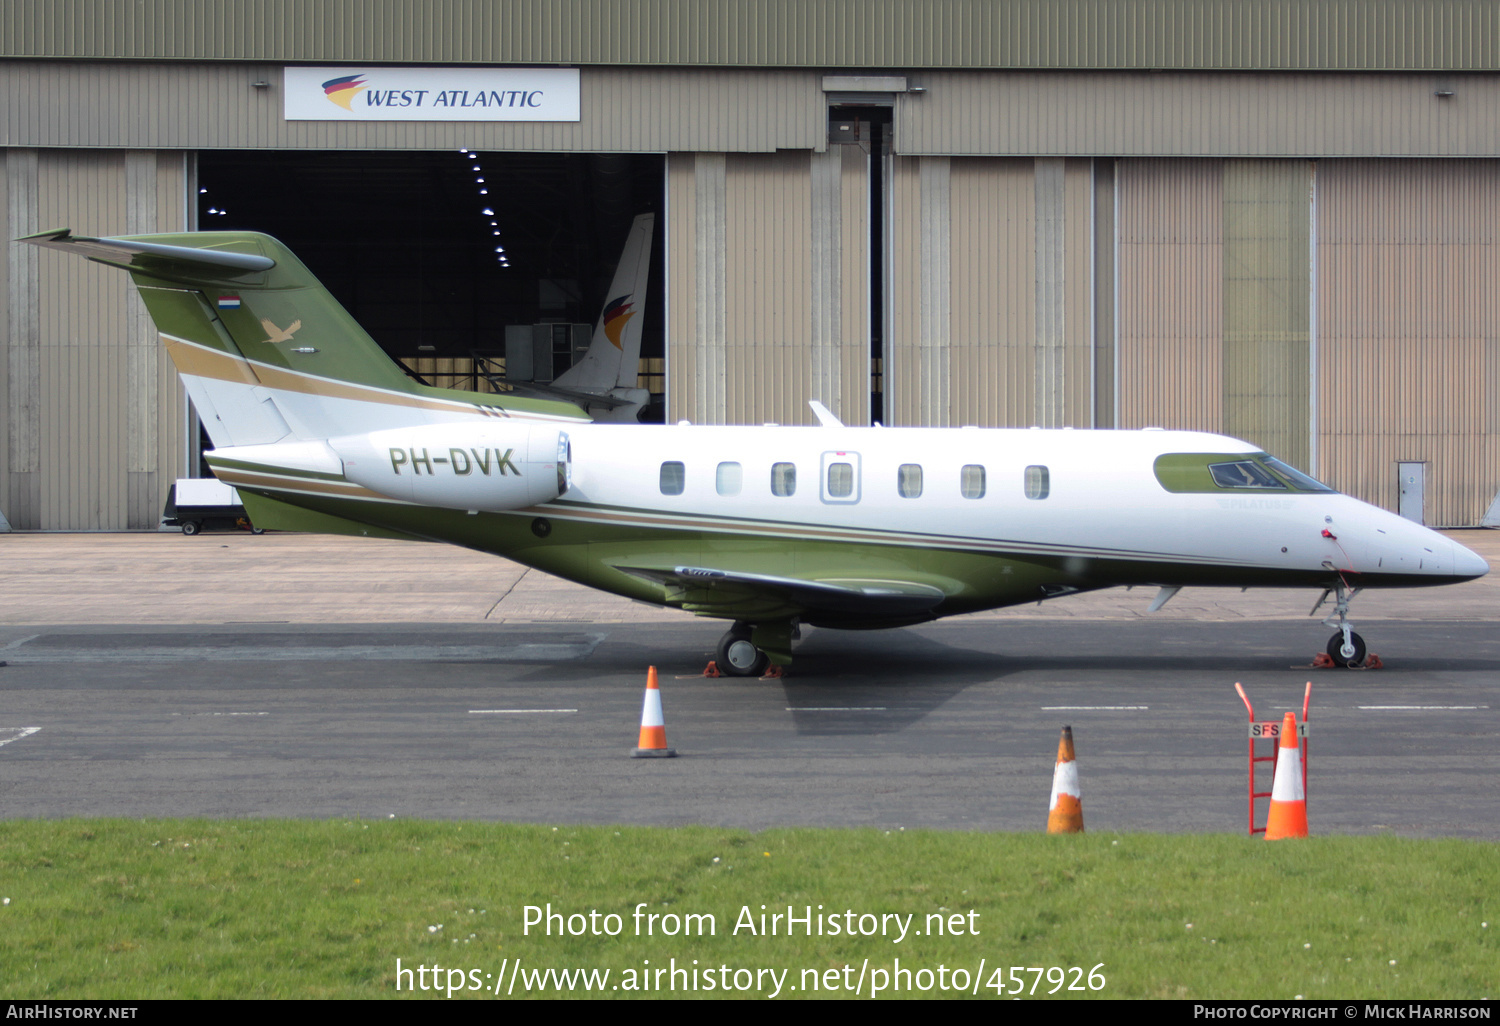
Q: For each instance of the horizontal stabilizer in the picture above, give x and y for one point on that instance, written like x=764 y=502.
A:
x=568 y=395
x=266 y=353
x=139 y=254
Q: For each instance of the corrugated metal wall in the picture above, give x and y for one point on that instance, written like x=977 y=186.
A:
x=1217 y=294
x=840 y=266
x=768 y=312
x=94 y=414
x=1245 y=294
x=1267 y=292
x=993 y=352
x=1279 y=34
x=1409 y=330
x=1214 y=299
x=767 y=307
x=1198 y=115
x=216 y=106
x=1171 y=293
x=918 y=339
x=1105 y=277
x=991 y=293
x=977 y=113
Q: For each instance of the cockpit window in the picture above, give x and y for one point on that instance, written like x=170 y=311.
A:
x=1214 y=472
x=1298 y=479
x=1243 y=474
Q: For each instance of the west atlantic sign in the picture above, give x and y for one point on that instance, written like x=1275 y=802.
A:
x=430 y=94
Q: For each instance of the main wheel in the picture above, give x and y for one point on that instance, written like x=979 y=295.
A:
x=1339 y=656
x=738 y=656
x=191 y=527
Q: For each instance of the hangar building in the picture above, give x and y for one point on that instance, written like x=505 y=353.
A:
x=1275 y=219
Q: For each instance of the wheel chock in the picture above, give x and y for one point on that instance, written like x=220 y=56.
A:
x=1372 y=662
x=712 y=669
x=773 y=671
x=1321 y=661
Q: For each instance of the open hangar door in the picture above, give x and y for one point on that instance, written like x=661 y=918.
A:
x=436 y=253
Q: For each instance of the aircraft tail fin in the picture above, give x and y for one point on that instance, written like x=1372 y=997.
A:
x=265 y=351
x=614 y=356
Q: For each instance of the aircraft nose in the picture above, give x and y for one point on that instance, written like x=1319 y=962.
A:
x=1467 y=563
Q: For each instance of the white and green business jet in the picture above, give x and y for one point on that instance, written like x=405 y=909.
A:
x=768 y=527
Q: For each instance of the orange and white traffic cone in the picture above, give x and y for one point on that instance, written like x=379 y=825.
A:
x=1065 y=815
x=653 y=742
x=1288 y=814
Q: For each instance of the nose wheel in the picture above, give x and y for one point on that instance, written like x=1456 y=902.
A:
x=1345 y=648
x=1347 y=652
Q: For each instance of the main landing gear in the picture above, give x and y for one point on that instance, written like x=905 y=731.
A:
x=1345 y=648
x=754 y=650
x=737 y=655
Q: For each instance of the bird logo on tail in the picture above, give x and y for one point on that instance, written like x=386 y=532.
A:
x=275 y=334
x=615 y=315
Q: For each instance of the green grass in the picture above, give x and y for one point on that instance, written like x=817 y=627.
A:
x=272 y=908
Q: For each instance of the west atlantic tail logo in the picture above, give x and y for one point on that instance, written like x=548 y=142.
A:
x=615 y=315
x=343 y=90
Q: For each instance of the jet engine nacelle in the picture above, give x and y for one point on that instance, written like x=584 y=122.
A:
x=492 y=467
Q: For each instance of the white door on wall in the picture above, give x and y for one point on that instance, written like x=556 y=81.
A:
x=1413 y=482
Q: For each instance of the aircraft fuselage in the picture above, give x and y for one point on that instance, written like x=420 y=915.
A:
x=987 y=517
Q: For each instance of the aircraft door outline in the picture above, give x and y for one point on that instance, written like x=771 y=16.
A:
x=839 y=478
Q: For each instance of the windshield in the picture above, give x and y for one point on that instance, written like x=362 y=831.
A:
x=1220 y=471
x=1243 y=474
x=1295 y=476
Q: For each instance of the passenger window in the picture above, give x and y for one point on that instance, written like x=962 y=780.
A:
x=971 y=481
x=727 y=479
x=840 y=480
x=783 y=478
x=1038 y=482
x=673 y=478
x=909 y=480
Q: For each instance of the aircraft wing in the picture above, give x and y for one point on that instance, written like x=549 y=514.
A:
x=570 y=395
x=738 y=595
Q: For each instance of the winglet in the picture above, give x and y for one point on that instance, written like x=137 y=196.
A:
x=824 y=415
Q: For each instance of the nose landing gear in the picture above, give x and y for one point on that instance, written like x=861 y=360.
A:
x=1347 y=651
x=1345 y=648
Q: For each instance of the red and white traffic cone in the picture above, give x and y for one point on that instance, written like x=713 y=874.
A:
x=1065 y=815
x=653 y=742
x=1288 y=814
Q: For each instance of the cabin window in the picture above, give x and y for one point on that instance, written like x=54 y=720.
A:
x=971 y=481
x=727 y=479
x=839 y=475
x=840 y=480
x=1243 y=474
x=1038 y=482
x=783 y=478
x=673 y=478
x=909 y=480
